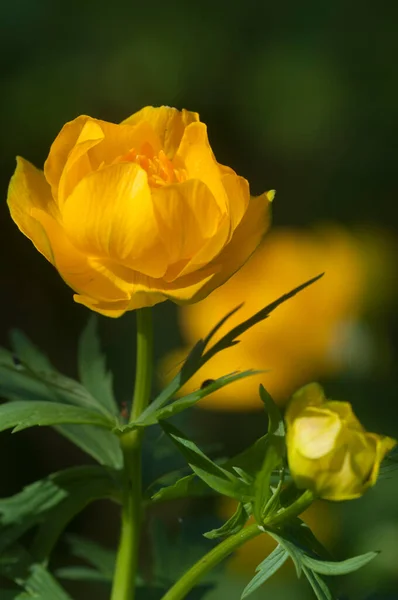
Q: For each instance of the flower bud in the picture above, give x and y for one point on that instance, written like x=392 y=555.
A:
x=329 y=452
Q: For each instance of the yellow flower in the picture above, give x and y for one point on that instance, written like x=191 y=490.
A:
x=135 y=213
x=329 y=452
x=312 y=335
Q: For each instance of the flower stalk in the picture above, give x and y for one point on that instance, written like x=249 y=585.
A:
x=131 y=443
x=181 y=589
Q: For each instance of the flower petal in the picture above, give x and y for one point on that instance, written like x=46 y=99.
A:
x=59 y=151
x=168 y=123
x=188 y=217
x=110 y=214
x=196 y=157
x=28 y=190
x=246 y=238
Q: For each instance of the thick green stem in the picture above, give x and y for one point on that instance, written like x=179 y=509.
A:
x=131 y=442
x=188 y=581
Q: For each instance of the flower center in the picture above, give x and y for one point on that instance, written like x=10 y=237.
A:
x=159 y=168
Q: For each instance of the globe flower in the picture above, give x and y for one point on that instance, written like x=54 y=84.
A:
x=318 y=333
x=329 y=452
x=132 y=214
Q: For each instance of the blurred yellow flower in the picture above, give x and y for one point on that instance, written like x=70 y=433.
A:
x=135 y=213
x=329 y=452
x=312 y=335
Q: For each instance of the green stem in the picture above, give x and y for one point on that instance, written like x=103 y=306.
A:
x=225 y=548
x=209 y=561
x=131 y=443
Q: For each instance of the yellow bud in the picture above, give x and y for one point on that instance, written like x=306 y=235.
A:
x=136 y=213
x=329 y=452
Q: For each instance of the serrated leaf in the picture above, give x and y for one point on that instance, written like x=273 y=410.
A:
x=220 y=323
x=342 y=567
x=320 y=588
x=37 y=501
x=37 y=380
x=265 y=570
x=187 y=401
x=215 y=476
x=230 y=338
x=21 y=415
x=93 y=372
x=276 y=425
x=233 y=525
x=99 y=443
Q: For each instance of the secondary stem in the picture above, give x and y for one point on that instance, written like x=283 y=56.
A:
x=182 y=588
x=131 y=442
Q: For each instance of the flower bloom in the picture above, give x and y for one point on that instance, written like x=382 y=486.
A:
x=329 y=452
x=135 y=213
x=317 y=333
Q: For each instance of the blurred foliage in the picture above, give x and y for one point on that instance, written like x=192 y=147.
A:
x=300 y=97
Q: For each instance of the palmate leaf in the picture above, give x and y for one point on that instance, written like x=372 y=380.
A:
x=266 y=569
x=98 y=442
x=92 y=367
x=198 y=356
x=213 y=475
x=319 y=587
x=39 y=502
x=343 y=567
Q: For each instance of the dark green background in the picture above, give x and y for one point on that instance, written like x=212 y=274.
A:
x=298 y=96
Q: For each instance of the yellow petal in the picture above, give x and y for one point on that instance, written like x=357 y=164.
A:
x=384 y=445
x=110 y=215
x=143 y=291
x=77 y=269
x=59 y=151
x=197 y=158
x=246 y=238
x=168 y=123
x=28 y=190
x=316 y=435
x=188 y=216
x=311 y=394
x=237 y=190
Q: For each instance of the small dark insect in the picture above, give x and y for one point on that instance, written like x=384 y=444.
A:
x=206 y=383
x=124 y=413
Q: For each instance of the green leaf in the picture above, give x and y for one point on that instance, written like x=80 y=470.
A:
x=276 y=425
x=36 y=503
x=189 y=486
x=37 y=380
x=187 y=401
x=220 y=323
x=99 y=443
x=215 y=476
x=102 y=559
x=339 y=567
x=295 y=553
x=21 y=414
x=262 y=485
x=82 y=574
x=233 y=525
x=320 y=588
x=92 y=367
x=37 y=582
x=28 y=353
x=266 y=569
x=230 y=338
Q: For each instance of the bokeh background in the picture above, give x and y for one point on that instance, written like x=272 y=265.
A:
x=299 y=97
